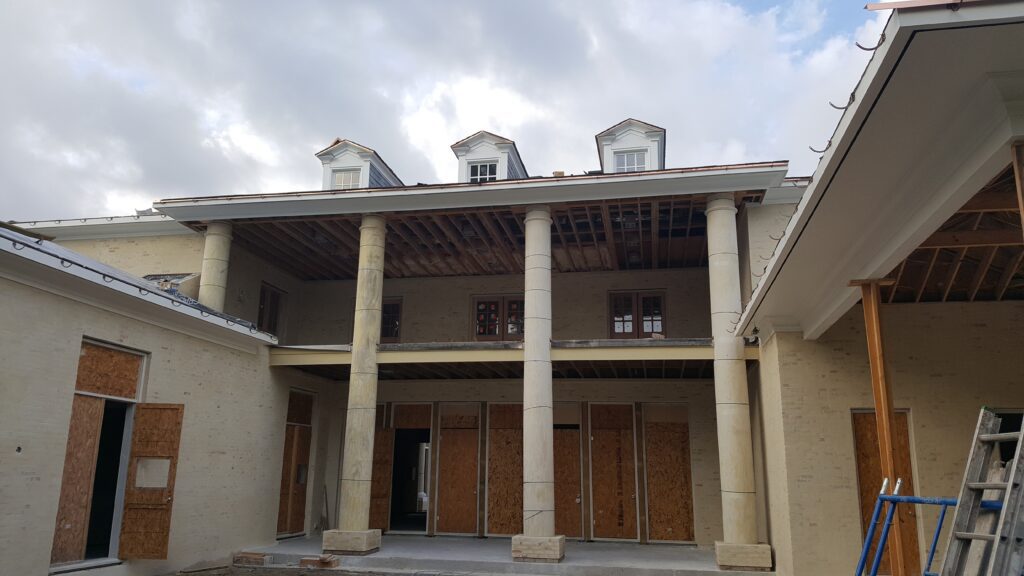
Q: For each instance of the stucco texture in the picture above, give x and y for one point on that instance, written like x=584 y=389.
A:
x=945 y=362
x=229 y=466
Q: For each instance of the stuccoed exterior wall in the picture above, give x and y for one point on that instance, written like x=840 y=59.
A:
x=228 y=476
x=697 y=395
x=945 y=362
x=142 y=255
x=440 y=309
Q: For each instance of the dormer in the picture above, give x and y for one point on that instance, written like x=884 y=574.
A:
x=348 y=165
x=631 y=146
x=485 y=157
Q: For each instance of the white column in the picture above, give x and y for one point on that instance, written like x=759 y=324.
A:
x=354 y=535
x=732 y=405
x=538 y=541
x=213 y=280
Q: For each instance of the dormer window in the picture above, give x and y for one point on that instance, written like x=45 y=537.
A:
x=483 y=171
x=346 y=179
x=633 y=161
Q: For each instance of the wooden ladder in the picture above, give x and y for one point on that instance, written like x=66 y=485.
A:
x=1003 y=552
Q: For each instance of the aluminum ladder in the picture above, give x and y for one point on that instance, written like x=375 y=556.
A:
x=1002 y=552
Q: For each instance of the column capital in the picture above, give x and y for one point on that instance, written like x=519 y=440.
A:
x=219 y=228
x=538 y=212
x=721 y=201
x=372 y=220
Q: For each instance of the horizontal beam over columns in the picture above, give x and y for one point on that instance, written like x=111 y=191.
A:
x=327 y=357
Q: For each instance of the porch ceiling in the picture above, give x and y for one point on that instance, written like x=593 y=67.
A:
x=622 y=234
x=976 y=254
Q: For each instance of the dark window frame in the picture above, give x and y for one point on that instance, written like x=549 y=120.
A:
x=383 y=318
x=262 y=322
x=503 y=320
x=636 y=298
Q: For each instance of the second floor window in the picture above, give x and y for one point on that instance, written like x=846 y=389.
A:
x=498 y=318
x=483 y=172
x=635 y=161
x=391 y=320
x=346 y=179
x=636 y=314
x=270 y=308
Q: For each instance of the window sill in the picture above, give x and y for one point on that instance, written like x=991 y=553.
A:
x=84 y=565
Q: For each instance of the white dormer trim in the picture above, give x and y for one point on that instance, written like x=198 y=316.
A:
x=631 y=135
x=484 y=147
x=343 y=155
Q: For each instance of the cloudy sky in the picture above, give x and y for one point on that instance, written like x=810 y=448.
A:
x=107 y=106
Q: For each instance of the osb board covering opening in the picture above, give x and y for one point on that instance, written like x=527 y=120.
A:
x=869 y=481
x=291 y=516
x=669 y=488
x=568 y=492
x=458 y=468
x=70 y=535
x=412 y=416
x=380 y=479
x=613 y=471
x=108 y=371
x=505 y=469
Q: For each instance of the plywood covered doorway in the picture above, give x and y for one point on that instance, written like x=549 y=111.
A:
x=613 y=471
x=667 y=458
x=291 y=512
x=869 y=479
x=505 y=469
x=458 y=468
x=568 y=471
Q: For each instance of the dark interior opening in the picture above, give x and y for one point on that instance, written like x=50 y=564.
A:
x=404 y=485
x=104 y=489
x=1011 y=422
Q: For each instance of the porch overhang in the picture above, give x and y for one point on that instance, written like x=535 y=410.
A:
x=930 y=124
x=484 y=352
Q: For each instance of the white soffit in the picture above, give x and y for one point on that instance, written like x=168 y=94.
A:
x=499 y=193
x=928 y=128
x=107 y=227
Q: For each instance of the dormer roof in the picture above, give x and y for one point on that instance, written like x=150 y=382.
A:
x=631 y=124
x=342 y=145
x=482 y=144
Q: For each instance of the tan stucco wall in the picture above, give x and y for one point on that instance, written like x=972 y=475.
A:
x=697 y=395
x=440 y=309
x=144 y=255
x=946 y=361
x=246 y=274
x=759 y=230
x=229 y=466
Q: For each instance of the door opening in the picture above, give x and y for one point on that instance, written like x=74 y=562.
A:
x=104 y=489
x=410 y=480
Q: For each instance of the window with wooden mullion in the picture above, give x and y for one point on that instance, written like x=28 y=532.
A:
x=498 y=318
x=391 y=320
x=636 y=314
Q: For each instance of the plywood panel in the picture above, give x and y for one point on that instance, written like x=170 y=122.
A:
x=457 y=480
x=146 y=527
x=380 y=483
x=568 y=491
x=412 y=416
x=103 y=370
x=460 y=416
x=69 y=537
x=505 y=469
x=287 y=478
x=300 y=408
x=297 y=514
x=869 y=478
x=669 y=491
x=613 y=471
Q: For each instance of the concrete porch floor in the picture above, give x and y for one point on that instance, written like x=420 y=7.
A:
x=403 y=554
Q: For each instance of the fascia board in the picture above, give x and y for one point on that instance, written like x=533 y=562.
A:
x=473 y=196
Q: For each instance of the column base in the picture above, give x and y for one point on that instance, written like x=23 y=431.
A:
x=749 y=557
x=538 y=548
x=351 y=542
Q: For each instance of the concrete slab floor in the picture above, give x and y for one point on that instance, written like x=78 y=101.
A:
x=404 y=554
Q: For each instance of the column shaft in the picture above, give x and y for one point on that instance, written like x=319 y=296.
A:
x=538 y=424
x=213 y=279
x=354 y=535
x=735 y=452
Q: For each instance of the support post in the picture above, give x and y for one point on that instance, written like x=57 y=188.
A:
x=538 y=542
x=354 y=535
x=739 y=547
x=871 y=300
x=213 y=280
x=1018 y=177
